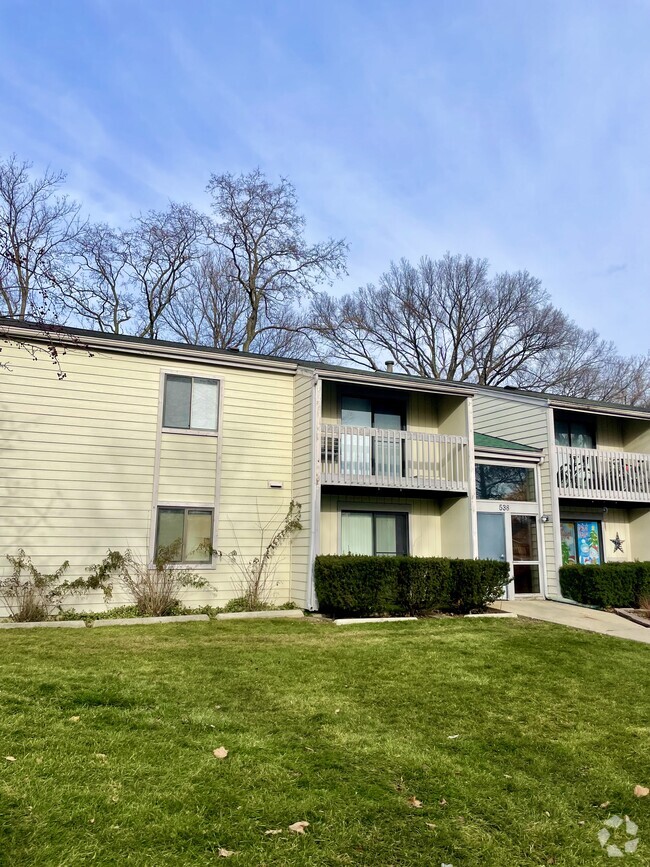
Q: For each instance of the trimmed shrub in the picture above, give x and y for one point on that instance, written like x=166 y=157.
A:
x=610 y=585
x=476 y=583
x=423 y=583
x=356 y=585
x=362 y=586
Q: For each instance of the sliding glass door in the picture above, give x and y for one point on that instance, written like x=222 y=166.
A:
x=382 y=534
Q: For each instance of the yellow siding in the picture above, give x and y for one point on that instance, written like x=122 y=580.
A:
x=452 y=416
x=422 y=415
x=636 y=436
x=455 y=527
x=639 y=535
x=525 y=423
x=78 y=461
x=330 y=413
x=188 y=469
x=609 y=434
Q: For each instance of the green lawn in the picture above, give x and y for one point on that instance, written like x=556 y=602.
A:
x=336 y=727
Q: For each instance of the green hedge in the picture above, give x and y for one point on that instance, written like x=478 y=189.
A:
x=610 y=585
x=363 y=586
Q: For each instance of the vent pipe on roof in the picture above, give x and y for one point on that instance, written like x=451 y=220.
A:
x=389 y=365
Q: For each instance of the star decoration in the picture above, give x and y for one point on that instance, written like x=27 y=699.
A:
x=617 y=542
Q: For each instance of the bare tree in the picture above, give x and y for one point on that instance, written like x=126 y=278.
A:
x=159 y=249
x=212 y=310
x=101 y=295
x=127 y=278
x=448 y=319
x=37 y=229
x=445 y=319
x=257 y=226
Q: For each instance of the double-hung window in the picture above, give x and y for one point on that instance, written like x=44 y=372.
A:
x=184 y=534
x=191 y=403
x=374 y=533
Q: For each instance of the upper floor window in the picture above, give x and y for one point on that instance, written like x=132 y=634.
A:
x=579 y=433
x=502 y=482
x=191 y=403
x=373 y=413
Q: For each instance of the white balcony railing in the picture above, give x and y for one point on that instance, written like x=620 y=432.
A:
x=599 y=474
x=392 y=458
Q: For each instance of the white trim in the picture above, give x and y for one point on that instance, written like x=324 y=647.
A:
x=193 y=432
x=555 y=498
x=156 y=468
x=98 y=342
x=311 y=602
x=389 y=381
x=155 y=503
x=471 y=479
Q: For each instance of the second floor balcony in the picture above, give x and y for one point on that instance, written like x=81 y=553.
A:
x=399 y=459
x=601 y=474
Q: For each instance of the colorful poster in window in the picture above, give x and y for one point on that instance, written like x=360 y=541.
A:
x=588 y=543
x=568 y=535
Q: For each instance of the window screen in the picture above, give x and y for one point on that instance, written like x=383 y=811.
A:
x=190 y=403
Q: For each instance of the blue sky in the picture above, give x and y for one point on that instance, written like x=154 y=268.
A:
x=518 y=130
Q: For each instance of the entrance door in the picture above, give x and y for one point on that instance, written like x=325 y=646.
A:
x=491 y=536
x=511 y=537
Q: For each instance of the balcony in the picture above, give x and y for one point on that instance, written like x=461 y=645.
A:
x=603 y=475
x=381 y=458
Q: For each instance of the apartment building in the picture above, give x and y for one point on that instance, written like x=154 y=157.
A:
x=144 y=443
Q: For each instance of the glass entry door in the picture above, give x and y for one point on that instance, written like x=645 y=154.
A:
x=514 y=538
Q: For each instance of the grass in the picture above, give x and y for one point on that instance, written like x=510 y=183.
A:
x=338 y=727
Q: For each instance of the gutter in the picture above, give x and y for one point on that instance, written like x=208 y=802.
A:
x=86 y=342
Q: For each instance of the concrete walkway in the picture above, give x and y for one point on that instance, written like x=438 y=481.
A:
x=579 y=618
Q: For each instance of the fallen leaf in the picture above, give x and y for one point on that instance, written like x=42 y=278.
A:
x=225 y=853
x=74 y=719
x=414 y=802
x=442 y=802
x=273 y=831
x=217 y=707
x=641 y=791
x=338 y=710
x=92 y=821
x=220 y=753
x=299 y=827
x=430 y=825
x=10 y=759
x=581 y=823
x=605 y=805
